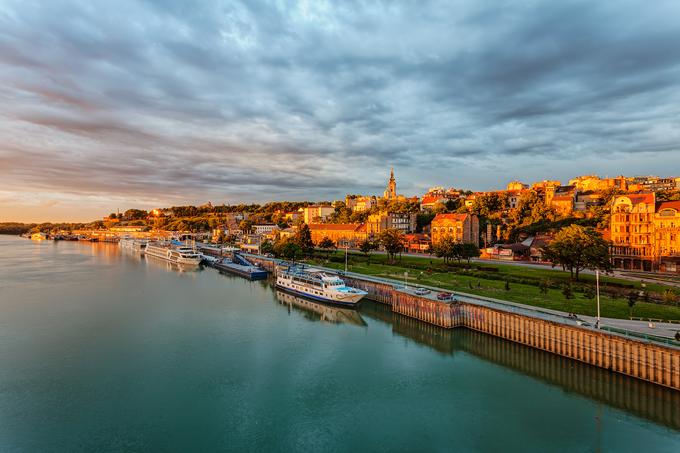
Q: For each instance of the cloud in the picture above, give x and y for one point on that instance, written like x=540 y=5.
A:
x=248 y=101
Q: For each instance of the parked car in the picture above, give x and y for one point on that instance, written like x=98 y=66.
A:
x=421 y=291
x=444 y=296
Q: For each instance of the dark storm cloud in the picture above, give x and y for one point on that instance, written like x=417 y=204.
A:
x=259 y=100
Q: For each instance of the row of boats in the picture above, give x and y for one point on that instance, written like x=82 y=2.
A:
x=316 y=284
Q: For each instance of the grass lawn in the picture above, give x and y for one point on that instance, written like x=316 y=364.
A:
x=529 y=294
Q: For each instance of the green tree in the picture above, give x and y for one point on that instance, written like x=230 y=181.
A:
x=392 y=241
x=567 y=291
x=446 y=248
x=327 y=244
x=246 y=226
x=366 y=247
x=266 y=247
x=576 y=248
x=491 y=204
x=303 y=238
x=468 y=250
x=632 y=297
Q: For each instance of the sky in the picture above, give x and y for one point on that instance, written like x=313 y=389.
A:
x=140 y=104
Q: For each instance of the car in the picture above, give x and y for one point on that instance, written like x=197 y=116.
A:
x=421 y=291
x=444 y=296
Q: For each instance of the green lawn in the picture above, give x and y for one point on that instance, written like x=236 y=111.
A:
x=450 y=278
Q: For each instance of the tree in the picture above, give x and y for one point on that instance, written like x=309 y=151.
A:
x=490 y=204
x=392 y=241
x=287 y=249
x=266 y=247
x=507 y=285
x=135 y=214
x=567 y=291
x=576 y=248
x=468 y=250
x=366 y=247
x=327 y=244
x=632 y=300
x=544 y=285
x=669 y=297
x=446 y=248
x=246 y=226
x=303 y=238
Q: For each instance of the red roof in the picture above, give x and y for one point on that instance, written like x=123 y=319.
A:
x=431 y=199
x=459 y=217
x=334 y=226
x=668 y=205
x=641 y=198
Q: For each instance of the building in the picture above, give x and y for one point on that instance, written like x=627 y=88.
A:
x=358 y=203
x=264 y=228
x=561 y=199
x=461 y=227
x=416 y=243
x=343 y=234
x=516 y=186
x=403 y=222
x=391 y=190
x=667 y=235
x=316 y=213
x=632 y=231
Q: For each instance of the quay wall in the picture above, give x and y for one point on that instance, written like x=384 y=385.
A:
x=640 y=359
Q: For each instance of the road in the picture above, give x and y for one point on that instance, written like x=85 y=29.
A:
x=658 y=279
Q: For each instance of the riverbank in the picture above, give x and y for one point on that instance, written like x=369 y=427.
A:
x=512 y=283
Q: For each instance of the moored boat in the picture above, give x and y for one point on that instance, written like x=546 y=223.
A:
x=179 y=254
x=317 y=284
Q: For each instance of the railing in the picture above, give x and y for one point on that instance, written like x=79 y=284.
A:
x=505 y=306
x=671 y=321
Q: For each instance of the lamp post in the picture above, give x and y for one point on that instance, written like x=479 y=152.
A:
x=597 y=292
x=346 y=247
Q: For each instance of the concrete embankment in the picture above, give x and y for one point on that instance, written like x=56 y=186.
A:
x=637 y=357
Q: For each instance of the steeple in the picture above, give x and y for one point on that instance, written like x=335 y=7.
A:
x=391 y=192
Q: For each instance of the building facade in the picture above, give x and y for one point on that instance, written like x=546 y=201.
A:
x=632 y=231
x=316 y=213
x=461 y=227
x=343 y=234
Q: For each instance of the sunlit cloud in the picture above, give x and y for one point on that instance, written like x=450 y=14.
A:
x=154 y=103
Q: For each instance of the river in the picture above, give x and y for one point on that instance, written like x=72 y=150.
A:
x=104 y=350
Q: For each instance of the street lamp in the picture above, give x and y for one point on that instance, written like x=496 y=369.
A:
x=597 y=290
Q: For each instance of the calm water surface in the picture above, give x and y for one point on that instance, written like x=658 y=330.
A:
x=102 y=350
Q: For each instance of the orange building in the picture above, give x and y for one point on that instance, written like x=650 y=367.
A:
x=632 y=231
x=461 y=227
x=350 y=234
x=667 y=235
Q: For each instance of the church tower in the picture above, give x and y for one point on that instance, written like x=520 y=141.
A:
x=391 y=192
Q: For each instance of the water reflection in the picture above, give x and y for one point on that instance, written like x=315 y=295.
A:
x=315 y=311
x=171 y=266
x=643 y=399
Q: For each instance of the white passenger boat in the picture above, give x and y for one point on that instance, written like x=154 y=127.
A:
x=317 y=284
x=132 y=244
x=174 y=253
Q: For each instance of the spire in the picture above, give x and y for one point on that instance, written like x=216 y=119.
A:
x=391 y=173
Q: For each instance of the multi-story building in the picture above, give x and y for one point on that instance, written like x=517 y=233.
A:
x=561 y=198
x=403 y=222
x=632 y=231
x=264 y=228
x=343 y=234
x=516 y=186
x=461 y=227
x=360 y=203
x=667 y=235
x=316 y=213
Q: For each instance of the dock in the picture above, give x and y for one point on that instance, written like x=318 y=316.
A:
x=241 y=266
x=646 y=357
